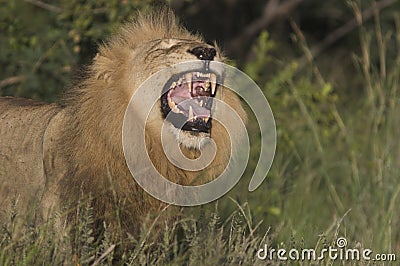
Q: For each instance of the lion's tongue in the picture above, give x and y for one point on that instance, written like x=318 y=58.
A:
x=198 y=111
x=181 y=96
x=180 y=93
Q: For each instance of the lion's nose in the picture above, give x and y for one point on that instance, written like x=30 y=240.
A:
x=204 y=53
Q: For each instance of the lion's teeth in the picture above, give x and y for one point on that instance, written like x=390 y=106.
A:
x=180 y=82
x=213 y=80
x=171 y=104
x=201 y=103
x=173 y=85
x=207 y=85
x=206 y=119
x=191 y=116
x=188 y=78
x=203 y=75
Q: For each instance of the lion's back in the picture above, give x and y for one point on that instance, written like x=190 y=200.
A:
x=23 y=124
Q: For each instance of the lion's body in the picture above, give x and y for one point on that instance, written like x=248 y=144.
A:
x=21 y=150
x=52 y=155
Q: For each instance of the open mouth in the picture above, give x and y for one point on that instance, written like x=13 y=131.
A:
x=187 y=100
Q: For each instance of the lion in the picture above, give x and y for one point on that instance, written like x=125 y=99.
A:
x=52 y=155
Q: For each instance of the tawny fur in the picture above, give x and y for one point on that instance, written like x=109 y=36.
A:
x=52 y=155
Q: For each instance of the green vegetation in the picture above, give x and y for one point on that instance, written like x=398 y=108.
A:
x=336 y=171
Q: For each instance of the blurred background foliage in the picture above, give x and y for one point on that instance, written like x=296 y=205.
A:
x=44 y=44
x=330 y=70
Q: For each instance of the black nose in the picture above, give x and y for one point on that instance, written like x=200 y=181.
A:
x=204 y=53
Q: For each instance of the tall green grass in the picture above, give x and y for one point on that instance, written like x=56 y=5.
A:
x=337 y=167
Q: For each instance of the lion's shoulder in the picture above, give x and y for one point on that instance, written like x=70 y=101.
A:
x=23 y=126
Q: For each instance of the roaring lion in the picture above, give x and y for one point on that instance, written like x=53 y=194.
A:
x=52 y=155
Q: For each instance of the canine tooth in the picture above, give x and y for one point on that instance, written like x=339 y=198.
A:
x=171 y=103
x=173 y=85
x=207 y=85
x=213 y=80
x=188 y=78
x=201 y=103
x=206 y=119
x=173 y=106
x=191 y=116
x=213 y=87
x=180 y=81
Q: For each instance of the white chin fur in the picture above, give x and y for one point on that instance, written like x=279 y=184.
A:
x=188 y=140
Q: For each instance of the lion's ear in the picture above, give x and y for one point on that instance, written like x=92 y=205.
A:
x=102 y=67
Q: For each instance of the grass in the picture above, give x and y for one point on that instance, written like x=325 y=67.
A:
x=336 y=174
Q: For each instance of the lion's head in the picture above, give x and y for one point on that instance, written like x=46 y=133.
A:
x=150 y=44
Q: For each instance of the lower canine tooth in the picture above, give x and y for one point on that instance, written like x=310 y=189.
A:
x=213 y=86
x=206 y=119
